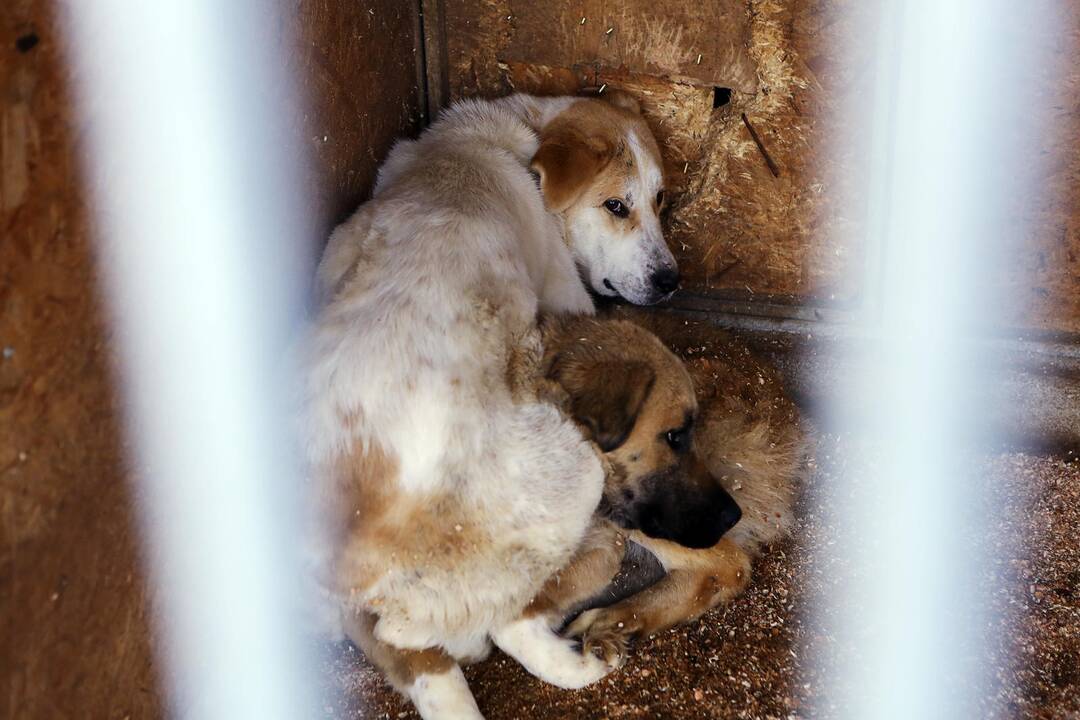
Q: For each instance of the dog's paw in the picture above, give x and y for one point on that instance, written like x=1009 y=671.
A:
x=606 y=633
x=584 y=669
x=549 y=657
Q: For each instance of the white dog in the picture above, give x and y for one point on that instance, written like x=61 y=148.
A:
x=448 y=495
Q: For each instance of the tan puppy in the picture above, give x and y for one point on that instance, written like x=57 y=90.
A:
x=447 y=496
x=669 y=434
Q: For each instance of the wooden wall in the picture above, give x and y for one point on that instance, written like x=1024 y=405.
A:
x=360 y=66
x=73 y=613
x=74 y=622
x=761 y=220
x=74 y=618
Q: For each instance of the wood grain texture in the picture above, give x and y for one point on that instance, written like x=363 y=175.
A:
x=696 y=43
x=75 y=617
x=360 y=67
x=436 y=62
x=73 y=614
x=702 y=43
x=738 y=229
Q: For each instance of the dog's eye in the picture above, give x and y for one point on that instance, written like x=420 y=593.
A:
x=678 y=440
x=659 y=198
x=616 y=207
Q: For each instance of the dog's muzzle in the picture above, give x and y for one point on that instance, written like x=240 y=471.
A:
x=689 y=517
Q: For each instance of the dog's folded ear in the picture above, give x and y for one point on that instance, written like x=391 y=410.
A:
x=567 y=161
x=605 y=396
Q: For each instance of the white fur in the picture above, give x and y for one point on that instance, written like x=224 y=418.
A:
x=528 y=479
x=427 y=290
x=628 y=259
x=549 y=657
x=445 y=696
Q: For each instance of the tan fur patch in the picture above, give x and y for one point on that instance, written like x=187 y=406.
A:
x=623 y=100
x=583 y=354
x=401 y=667
x=379 y=526
x=593 y=565
x=582 y=154
x=568 y=161
x=606 y=395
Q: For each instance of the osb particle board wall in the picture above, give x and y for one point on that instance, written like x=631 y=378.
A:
x=74 y=624
x=74 y=618
x=360 y=67
x=740 y=228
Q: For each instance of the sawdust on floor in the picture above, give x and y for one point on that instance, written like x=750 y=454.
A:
x=750 y=659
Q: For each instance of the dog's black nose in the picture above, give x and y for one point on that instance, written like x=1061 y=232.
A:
x=694 y=519
x=665 y=280
x=729 y=516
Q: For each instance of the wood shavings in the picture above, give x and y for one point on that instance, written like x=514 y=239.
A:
x=742 y=660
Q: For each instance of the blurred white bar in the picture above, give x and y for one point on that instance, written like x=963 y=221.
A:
x=949 y=125
x=202 y=235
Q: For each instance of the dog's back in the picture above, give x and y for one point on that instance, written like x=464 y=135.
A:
x=427 y=290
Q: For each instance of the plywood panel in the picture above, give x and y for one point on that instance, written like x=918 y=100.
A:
x=740 y=228
x=361 y=72
x=701 y=43
x=74 y=613
x=696 y=43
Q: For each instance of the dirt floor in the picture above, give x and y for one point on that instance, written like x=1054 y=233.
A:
x=751 y=659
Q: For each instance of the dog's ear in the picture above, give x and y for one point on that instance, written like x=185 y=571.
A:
x=622 y=99
x=567 y=161
x=605 y=396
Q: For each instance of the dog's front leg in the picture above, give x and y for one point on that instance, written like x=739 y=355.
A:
x=554 y=659
x=443 y=696
x=430 y=678
x=697 y=580
x=532 y=640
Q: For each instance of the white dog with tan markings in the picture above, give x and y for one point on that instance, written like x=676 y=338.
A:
x=448 y=497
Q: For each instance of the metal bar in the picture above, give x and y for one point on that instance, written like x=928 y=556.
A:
x=193 y=174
